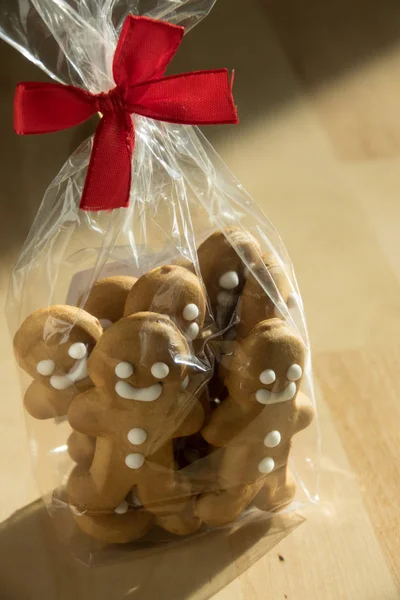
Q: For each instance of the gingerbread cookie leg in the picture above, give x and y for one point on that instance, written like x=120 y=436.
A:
x=109 y=471
x=222 y=507
x=116 y=528
x=163 y=491
x=277 y=492
x=182 y=523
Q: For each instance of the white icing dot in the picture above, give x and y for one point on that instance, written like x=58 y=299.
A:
x=134 y=461
x=77 y=350
x=272 y=439
x=268 y=376
x=124 y=370
x=266 y=465
x=122 y=508
x=159 y=370
x=292 y=300
x=190 y=312
x=137 y=436
x=45 y=367
x=263 y=396
x=225 y=299
x=192 y=331
x=229 y=280
x=294 y=372
x=105 y=323
x=185 y=383
x=135 y=500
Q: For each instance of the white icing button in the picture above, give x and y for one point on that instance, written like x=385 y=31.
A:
x=192 y=331
x=122 y=508
x=225 y=299
x=272 y=439
x=134 y=461
x=190 y=312
x=267 y=376
x=105 y=323
x=266 y=465
x=159 y=370
x=124 y=370
x=45 y=367
x=229 y=280
x=137 y=436
x=294 y=372
x=185 y=383
x=77 y=350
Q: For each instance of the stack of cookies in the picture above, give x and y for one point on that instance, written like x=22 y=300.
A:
x=181 y=389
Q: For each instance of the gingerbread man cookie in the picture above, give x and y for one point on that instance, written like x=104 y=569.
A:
x=223 y=270
x=52 y=346
x=255 y=424
x=107 y=297
x=257 y=303
x=135 y=410
x=170 y=290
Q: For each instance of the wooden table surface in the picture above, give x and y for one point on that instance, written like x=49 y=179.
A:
x=318 y=85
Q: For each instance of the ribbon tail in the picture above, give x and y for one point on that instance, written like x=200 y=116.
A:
x=145 y=48
x=47 y=107
x=198 y=98
x=109 y=174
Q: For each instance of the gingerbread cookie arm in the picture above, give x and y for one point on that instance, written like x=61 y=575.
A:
x=87 y=412
x=227 y=421
x=305 y=412
x=81 y=448
x=41 y=402
x=192 y=421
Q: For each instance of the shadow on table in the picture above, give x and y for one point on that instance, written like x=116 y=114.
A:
x=35 y=565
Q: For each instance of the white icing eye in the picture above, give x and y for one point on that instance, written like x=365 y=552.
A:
x=185 y=383
x=272 y=439
x=159 y=370
x=190 y=312
x=77 y=351
x=45 y=367
x=225 y=299
x=266 y=465
x=268 y=376
x=134 y=461
x=192 y=331
x=229 y=280
x=137 y=436
x=123 y=370
x=294 y=372
x=122 y=508
x=105 y=323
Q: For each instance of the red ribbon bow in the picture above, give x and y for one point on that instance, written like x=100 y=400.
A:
x=144 y=50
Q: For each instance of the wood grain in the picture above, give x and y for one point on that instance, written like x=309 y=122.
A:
x=317 y=85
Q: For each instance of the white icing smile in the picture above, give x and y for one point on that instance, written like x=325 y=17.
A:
x=128 y=392
x=267 y=397
x=78 y=351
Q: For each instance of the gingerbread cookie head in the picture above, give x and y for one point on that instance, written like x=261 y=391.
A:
x=106 y=299
x=174 y=291
x=141 y=357
x=265 y=300
x=267 y=365
x=223 y=269
x=53 y=344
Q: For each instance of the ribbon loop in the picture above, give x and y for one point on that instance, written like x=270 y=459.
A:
x=144 y=50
